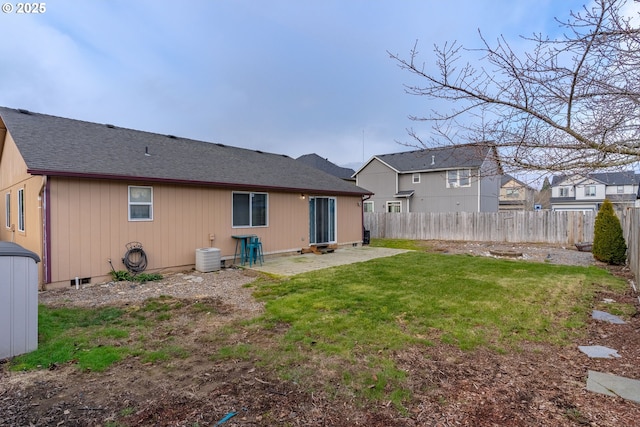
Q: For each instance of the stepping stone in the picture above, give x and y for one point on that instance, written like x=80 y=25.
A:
x=598 y=351
x=613 y=385
x=603 y=315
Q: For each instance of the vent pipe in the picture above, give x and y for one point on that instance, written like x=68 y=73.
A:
x=433 y=160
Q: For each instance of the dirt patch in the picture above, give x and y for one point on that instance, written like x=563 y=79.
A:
x=541 y=385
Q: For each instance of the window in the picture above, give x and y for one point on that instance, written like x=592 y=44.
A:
x=394 y=207
x=590 y=190
x=140 y=203
x=7 y=208
x=21 y=209
x=513 y=192
x=368 y=206
x=416 y=178
x=620 y=189
x=458 y=178
x=250 y=209
x=564 y=192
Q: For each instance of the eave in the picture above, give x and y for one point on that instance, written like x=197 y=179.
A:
x=213 y=184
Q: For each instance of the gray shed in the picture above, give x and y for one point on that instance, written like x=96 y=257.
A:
x=18 y=300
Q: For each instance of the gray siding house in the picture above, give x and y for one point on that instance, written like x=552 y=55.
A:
x=463 y=178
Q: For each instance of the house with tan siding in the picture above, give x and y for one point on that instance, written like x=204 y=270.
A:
x=516 y=195
x=77 y=193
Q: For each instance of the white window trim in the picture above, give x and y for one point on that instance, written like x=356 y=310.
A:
x=415 y=178
x=250 y=193
x=369 y=203
x=7 y=209
x=130 y=203
x=394 y=203
x=587 y=193
x=456 y=184
x=21 y=214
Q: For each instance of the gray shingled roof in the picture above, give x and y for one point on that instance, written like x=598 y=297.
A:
x=615 y=178
x=460 y=156
x=506 y=178
x=64 y=147
x=325 y=165
x=608 y=178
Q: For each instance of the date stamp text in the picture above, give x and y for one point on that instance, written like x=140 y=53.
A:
x=24 y=8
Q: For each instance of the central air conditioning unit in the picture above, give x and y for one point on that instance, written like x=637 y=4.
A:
x=207 y=260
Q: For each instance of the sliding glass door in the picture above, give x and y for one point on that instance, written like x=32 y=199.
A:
x=322 y=220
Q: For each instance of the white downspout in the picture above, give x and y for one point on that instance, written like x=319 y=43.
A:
x=479 y=190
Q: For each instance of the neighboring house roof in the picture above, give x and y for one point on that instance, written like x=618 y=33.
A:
x=453 y=157
x=58 y=146
x=615 y=178
x=507 y=178
x=325 y=165
x=607 y=178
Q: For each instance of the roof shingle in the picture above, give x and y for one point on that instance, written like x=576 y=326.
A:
x=53 y=145
x=459 y=156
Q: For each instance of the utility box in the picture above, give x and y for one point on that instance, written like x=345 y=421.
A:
x=207 y=260
x=18 y=300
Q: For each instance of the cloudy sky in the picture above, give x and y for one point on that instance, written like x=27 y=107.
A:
x=286 y=76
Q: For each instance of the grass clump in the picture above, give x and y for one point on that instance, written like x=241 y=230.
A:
x=84 y=336
x=125 y=276
x=96 y=338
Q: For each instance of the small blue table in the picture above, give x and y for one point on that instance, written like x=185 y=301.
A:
x=241 y=244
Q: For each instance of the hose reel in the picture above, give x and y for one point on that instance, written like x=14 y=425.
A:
x=135 y=259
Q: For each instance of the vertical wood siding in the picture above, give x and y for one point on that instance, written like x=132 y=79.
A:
x=13 y=177
x=89 y=225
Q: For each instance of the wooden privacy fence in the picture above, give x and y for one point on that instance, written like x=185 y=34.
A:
x=533 y=227
x=631 y=228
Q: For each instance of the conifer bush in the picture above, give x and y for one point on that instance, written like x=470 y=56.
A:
x=608 y=241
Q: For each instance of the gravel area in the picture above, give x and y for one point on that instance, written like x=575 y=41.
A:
x=228 y=285
x=553 y=254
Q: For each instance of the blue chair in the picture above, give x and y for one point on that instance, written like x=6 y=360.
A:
x=254 y=251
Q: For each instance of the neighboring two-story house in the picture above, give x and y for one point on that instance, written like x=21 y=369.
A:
x=515 y=195
x=463 y=178
x=586 y=193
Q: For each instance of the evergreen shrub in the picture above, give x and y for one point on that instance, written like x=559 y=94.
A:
x=608 y=241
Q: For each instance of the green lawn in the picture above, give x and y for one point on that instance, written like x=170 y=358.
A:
x=358 y=315
x=426 y=297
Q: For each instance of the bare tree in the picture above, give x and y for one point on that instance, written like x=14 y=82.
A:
x=570 y=104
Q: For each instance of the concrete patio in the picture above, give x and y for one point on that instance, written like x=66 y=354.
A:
x=290 y=265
